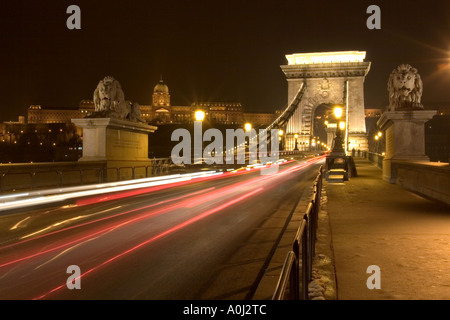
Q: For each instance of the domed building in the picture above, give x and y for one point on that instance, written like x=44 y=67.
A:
x=161 y=96
x=161 y=108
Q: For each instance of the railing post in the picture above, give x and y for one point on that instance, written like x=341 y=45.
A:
x=305 y=268
x=81 y=176
x=310 y=248
x=295 y=284
x=32 y=174
x=60 y=180
x=2 y=178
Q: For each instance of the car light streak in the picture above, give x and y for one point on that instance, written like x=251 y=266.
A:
x=159 y=236
x=18 y=224
x=217 y=175
x=225 y=196
x=54 y=191
x=57 y=198
x=188 y=203
x=101 y=219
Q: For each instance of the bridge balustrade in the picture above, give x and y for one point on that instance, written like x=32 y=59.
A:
x=303 y=251
x=14 y=177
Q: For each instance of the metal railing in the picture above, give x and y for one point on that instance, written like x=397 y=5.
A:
x=376 y=159
x=303 y=251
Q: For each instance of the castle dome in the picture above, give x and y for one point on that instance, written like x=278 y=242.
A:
x=161 y=87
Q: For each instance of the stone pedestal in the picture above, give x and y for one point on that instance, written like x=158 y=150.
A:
x=405 y=137
x=120 y=143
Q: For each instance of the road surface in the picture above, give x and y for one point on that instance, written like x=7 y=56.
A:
x=174 y=241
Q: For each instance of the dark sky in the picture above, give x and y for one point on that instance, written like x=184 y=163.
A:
x=208 y=50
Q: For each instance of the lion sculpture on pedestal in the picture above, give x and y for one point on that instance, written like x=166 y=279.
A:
x=405 y=89
x=109 y=101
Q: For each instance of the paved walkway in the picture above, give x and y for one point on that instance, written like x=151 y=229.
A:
x=372 y=222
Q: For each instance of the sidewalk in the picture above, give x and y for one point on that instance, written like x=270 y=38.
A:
x=372 y=222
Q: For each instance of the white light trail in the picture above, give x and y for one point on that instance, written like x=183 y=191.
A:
x=100 y=189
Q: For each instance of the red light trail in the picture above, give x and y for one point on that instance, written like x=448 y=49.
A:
x=229 y=194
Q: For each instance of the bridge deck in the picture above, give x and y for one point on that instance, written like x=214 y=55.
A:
x=376 y=223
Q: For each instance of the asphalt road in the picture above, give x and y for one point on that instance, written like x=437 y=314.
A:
x=155 y=243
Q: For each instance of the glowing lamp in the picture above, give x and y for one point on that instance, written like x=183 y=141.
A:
x=338 y=112
x=200 y=115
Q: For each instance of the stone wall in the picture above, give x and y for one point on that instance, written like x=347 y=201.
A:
x=33 y=176
x=430 y=179
x=26 y=176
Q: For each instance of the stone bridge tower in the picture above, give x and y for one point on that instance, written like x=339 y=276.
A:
x=330 y=78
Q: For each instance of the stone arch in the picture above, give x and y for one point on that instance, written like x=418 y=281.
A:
x=331 y=78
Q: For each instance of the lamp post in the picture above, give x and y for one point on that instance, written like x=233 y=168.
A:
x=199 y=117
x=247 y=128
x=280 y=138
x=296 y=142
x=377 y=139
x=340 y=127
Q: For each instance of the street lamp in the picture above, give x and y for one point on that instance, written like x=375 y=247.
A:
x=338 y=111
x=247 y=127
x=296 y=142
x=200 y=115
x=377 y=138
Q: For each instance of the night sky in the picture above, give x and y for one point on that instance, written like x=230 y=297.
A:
x=208 y=50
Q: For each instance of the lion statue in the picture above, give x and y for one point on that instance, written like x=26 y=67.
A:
x=109 y=100
x=135 y=113
x=405 y=89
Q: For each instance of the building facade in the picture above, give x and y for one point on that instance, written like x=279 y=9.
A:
x=160 y=111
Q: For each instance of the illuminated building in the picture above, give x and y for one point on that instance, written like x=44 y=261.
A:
x=38 y=115
x=160 y=111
